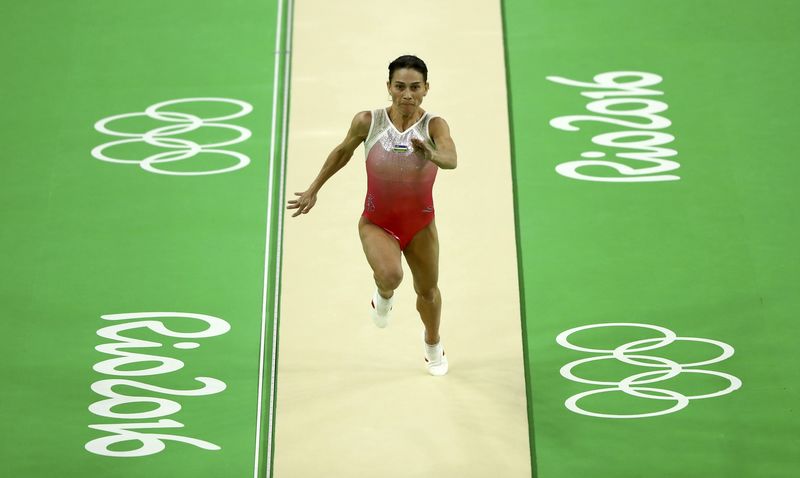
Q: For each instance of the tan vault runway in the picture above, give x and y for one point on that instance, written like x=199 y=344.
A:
x=354 y=400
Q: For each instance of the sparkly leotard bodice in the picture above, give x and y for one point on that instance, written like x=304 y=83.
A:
x=399 y=182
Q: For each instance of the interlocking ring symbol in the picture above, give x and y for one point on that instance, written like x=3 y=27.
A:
x=630 y=353
x=182 y=148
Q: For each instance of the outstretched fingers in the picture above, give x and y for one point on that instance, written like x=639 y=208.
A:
x=303 y=203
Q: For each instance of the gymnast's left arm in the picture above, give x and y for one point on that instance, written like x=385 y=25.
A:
x=443 y=150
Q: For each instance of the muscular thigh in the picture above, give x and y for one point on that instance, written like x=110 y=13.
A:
x=422 y=255
x=381 y=249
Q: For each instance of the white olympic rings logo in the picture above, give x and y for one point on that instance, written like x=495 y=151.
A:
x=180 y=148
x=629 y=353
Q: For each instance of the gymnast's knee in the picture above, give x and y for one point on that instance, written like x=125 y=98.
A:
x=389 y=278
x=428 y=294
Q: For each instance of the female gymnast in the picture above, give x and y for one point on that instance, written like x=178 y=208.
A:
x=405 y=147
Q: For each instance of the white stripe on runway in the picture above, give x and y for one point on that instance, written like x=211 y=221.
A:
x=267 y=263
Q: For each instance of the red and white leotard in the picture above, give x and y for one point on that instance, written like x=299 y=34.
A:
x=399 y=182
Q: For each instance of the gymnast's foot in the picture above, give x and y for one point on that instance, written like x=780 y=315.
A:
x=380 y=309
x=435 y=359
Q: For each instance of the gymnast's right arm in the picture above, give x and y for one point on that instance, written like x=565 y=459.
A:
x=341 y=154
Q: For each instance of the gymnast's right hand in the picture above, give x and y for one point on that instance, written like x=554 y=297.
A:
x=303 y=203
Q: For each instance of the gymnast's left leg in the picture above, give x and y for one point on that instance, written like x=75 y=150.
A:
x=422 y=255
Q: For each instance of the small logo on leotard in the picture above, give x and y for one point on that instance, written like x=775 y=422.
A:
x=369 y=204
x=428 y=209
x=400 y=148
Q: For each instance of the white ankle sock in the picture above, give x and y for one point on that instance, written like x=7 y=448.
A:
x=433 y=352
x=383 y=305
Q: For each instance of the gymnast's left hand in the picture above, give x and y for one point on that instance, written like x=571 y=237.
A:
x=423 y=148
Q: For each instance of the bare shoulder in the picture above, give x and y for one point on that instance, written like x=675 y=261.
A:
x=438 y=127
x=361 y=122
x=359 y=128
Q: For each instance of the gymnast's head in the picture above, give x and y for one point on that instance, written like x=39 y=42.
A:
x=408 y=81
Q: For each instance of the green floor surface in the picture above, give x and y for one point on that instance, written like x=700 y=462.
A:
x=82 y=238
x=710 y=255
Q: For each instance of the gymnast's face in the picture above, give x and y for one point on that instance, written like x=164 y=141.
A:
x=407 y=89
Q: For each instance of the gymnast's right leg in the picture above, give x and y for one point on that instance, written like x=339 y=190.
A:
x=383 y=254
